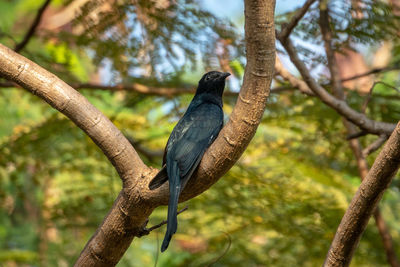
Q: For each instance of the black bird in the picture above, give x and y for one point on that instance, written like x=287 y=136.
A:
x=186 y=145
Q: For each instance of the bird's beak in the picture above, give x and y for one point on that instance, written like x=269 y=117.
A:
x=224 y=75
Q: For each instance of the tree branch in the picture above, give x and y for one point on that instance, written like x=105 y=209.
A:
x=147 y=231
x=296 y=82
x=64 y=98
x=375 y=145
x=355 y=134
x=168 y=92
x=29 y=34
x=364 y=202
x=288 y=28
x=373 y=71
x=135 y=202
x=340 y=106
x=351 y=130
x=330 y=54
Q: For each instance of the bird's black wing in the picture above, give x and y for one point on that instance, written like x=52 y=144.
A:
x=188 y=142
x=160 y=178
x=198 y=131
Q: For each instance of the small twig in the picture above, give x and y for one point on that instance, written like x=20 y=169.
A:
x=373 y=71
x=356 y=135
x=146 y=231
x=19 y=46
x=225 y=251
x=367 y=99
x=327 y=36
x=375 y=145
x=165 y=221
x=288 y=28
x=369 y=96
x=388 y=85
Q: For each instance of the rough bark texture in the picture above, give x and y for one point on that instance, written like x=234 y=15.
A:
x=352 y=130
x=364 y=202
x=363 y=169
x=127 y=218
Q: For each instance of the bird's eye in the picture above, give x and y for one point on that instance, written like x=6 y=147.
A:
x=207 y=77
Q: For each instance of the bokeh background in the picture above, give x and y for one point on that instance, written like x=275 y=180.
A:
x=278 y=206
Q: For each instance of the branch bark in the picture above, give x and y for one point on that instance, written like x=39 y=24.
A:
x=134 y=204
x=365 y=202
x=354 y=143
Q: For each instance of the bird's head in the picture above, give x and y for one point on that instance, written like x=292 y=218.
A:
x=212 y=82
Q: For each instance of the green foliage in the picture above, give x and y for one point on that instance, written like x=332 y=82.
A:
x=278 y=206
x=18 y=256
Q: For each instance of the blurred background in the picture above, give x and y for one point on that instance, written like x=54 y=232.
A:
x=139 y=62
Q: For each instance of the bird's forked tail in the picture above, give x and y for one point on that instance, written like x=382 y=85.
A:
x=174 y=191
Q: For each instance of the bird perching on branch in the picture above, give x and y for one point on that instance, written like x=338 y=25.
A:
x=190 y=138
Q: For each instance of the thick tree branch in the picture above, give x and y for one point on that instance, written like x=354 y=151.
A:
x=29 y=34
x=363 y=169
x=352 y=131
x=127 y=218
x=364 y=202
x=340 y=106
x=115 y=146
x=62 y=97
x=288 y=28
